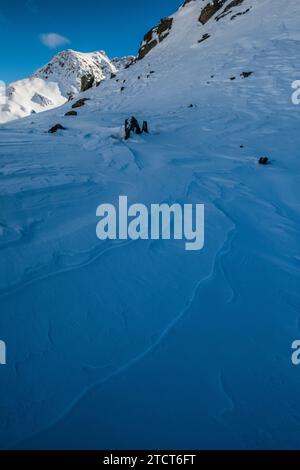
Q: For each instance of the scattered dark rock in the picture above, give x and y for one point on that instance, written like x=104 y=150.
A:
x=228 y=8
x=71 y=113
x=57 y=127
x=232 y=78
x=204 y=38
x=122 y=88
x=241 y=146
x=191 y=106
x=151 y=72
x=113 y=75
x=132 y=61
x=246 y=74
x=240 y=14
x=98 y=84
x=80 y=103
x=139 y=77
x=263 y=161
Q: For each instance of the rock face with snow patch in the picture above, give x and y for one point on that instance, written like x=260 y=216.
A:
x=155 y=36
x=210 y=10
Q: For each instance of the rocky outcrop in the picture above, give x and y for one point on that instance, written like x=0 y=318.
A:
x=87 y=82
x=210 y=10
x=155 y=36
x=57 y=127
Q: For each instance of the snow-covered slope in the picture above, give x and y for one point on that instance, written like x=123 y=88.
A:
x=66 y=75
x=142 y=344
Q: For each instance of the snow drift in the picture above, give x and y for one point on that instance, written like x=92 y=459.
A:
x=141 y=344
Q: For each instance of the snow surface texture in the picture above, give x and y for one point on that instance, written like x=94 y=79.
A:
x=142 y=344
x=60 y=79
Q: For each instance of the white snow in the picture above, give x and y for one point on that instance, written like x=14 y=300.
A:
x=208 y=333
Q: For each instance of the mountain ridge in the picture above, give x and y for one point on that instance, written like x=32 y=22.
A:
x=67 y=74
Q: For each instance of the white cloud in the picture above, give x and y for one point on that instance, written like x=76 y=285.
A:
x=53 y=40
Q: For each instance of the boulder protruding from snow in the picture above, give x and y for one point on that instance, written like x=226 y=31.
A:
x=263 y=161
x=57 y=127
x=80 y=103
x=132 y=125
x=71 y=113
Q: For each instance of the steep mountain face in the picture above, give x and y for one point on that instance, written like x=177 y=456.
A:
x=66 y=75
x=152 y=324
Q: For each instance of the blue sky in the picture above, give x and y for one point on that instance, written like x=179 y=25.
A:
x=116 y=26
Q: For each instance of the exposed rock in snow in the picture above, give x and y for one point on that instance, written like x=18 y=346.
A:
x=210 y=10
x=79 y=103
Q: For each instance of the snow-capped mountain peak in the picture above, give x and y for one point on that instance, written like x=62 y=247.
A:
x=77 y=71
x=67 y=74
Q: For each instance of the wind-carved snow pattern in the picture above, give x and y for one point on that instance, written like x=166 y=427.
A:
x=141 y=344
